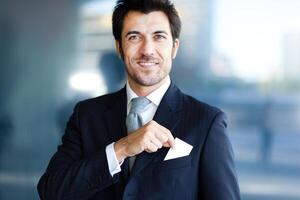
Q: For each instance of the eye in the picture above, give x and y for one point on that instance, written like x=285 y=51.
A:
x=133 y=38
x=159 y=37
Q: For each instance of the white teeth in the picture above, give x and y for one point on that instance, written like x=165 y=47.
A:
x=147 y=63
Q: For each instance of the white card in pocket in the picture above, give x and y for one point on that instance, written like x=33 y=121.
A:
x=181 y=149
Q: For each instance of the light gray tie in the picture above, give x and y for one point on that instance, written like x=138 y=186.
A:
x=134 y=119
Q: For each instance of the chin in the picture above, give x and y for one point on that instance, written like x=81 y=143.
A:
x=150 y=82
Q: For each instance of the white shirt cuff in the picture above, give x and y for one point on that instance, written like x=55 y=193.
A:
x=113 y=164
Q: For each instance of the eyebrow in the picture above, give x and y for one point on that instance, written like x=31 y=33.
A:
x=159 y=32
x=132 y=32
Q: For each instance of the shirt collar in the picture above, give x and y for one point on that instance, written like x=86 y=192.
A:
x=155 y=97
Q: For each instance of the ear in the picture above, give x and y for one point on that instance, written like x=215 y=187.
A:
x=175 y=48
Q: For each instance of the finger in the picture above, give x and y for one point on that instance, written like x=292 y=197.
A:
x=151 y=148
x=167 y=136
x=171 y=141
x=160 y=134
x=156 y=142
x=156 y=135
x=166 y=144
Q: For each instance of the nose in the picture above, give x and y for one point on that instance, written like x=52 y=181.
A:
x=148 y=47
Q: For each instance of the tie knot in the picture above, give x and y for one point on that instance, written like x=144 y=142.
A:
x=138 y=104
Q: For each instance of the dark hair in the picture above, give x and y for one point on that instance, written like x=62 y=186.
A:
x=144 y=6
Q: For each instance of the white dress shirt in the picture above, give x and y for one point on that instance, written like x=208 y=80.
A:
x=147 y=115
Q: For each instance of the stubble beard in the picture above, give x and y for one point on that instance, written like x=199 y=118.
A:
x=147 y=79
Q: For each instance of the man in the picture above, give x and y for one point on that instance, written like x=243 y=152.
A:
x=112 y=151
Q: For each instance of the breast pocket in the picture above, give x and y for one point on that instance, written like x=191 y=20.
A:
x=176 y=163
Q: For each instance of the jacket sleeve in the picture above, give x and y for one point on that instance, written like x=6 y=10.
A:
x=70 y=175
x=217 y=177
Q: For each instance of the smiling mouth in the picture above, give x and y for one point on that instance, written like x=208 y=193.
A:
x=147 y=64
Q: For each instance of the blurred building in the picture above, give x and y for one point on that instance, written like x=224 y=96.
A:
x=291 y=56
x=193 y=60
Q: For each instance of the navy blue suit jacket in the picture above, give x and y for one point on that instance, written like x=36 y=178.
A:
x=79 y=168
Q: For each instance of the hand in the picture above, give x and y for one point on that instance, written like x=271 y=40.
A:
x=150 y=137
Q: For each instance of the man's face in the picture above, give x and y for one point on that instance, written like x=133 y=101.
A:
x=147 y=47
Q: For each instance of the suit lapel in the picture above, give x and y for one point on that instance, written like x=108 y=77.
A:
x=167 y=115
x=115 y=119
x=115 y=116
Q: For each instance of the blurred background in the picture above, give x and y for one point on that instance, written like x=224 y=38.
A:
x=242 y=56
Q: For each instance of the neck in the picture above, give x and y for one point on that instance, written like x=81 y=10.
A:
x=143 y=91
